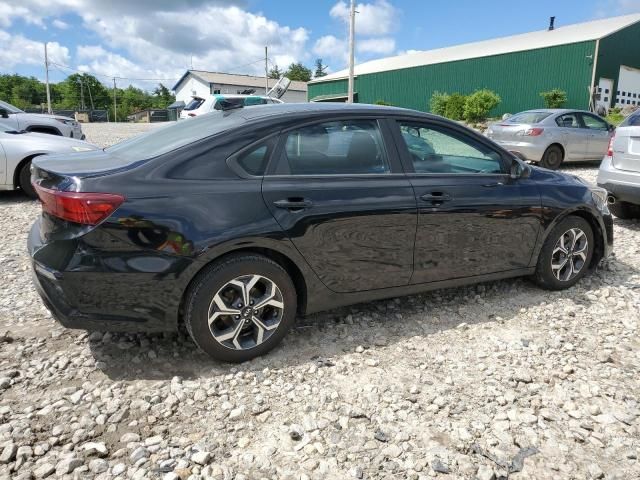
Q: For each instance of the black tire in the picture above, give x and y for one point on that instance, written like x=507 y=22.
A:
x=552 y=158
x=214 y=278
x=544 y=275
x=625 y=210
x=24 y=181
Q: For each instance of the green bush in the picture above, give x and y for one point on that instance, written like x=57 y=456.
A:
x=615 y=116
x=454 y=108
x=438 y=103
x=479 y=104
x=555 y=98
x=383 y=102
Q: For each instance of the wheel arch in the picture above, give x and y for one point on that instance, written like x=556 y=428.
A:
x=289 y=265
x=21 y=164
x=597 y=229
x=559 y=145
x=44 y=129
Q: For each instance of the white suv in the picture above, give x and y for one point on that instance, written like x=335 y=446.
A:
x=200 y=106
x=620 y=169
x=39 y=122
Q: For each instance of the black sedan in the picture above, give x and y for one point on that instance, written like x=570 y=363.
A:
x=236 y=221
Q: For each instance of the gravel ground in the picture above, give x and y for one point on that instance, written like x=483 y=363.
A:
x=498 y=380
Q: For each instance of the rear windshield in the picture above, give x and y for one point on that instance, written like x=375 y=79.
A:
x=528 y=117
x=169 y=138
x=9 y=108
x=632 y=120
x=246 y=101
x=194 y=104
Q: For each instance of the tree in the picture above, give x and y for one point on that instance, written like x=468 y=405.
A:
x=555 y=98
x=297 y=71
x=479 y=104
x=275 y=72
x=162 y=97
x=320 y=69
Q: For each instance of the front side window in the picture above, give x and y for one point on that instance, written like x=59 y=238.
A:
x=343 y=147
x=594 y=123
x=436 y=149
x=569 y=120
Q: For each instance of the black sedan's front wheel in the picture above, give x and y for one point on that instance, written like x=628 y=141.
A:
x=566 y=254
x=240 y=308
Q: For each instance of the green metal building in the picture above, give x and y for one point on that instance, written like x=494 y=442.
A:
x=597 y=63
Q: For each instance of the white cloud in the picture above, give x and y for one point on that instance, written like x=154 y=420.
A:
x=60 y=24
x=333 y=51
x=379 y=46
x=8 y=12
x=373 y=19
x=18 y=50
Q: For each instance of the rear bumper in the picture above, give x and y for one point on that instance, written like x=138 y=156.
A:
x=530 y=151
x=622 y=184
x=92 y=297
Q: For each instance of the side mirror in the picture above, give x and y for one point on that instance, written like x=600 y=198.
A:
x=4 y=113
x=610 y=127
x=518 y=169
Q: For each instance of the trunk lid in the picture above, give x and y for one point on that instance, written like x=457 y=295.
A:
x=507 y=131
x=626 y=149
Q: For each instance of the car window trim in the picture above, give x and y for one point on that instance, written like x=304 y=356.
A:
x=405 y=156
x=233 y=163
x=395 y=165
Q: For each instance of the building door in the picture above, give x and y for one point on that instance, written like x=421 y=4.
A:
x=628 y=87
x=605 y=94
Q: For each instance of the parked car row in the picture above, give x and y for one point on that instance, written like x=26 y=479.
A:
x=39 y=122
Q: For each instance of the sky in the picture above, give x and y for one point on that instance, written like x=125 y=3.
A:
x=144 y=42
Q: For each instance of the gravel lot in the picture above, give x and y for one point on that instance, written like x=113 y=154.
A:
x=499 y=380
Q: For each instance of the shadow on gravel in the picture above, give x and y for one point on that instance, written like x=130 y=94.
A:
x=319 y=338
x=14 y=196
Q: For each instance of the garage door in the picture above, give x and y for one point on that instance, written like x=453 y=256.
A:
x=628 y=91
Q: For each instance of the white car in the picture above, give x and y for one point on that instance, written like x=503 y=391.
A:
x=620 y=169
x=18 y=148
x=39 y=122
x=199 y=105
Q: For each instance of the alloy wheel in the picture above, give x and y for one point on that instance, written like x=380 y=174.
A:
x=569 y=254
x=245 y=312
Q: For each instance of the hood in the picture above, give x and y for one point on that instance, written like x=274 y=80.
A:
x=47 y=141
x=552 y=176
x=40 y=116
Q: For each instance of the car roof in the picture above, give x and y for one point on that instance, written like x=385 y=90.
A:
x=556 y=111
x=283 y=109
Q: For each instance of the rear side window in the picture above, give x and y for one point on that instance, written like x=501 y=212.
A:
x=254 y=161
x=632 y=120
x=334 y=148
x=528 y=117
x=569 y=120
x=194 y=104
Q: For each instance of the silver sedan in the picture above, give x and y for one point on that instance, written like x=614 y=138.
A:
x=553 y=136
x=18 y=148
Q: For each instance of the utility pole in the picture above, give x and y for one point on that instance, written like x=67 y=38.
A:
x=46 y=75
x=266 y=71
x=352 y=33
x=82 y=106
x=115 y=106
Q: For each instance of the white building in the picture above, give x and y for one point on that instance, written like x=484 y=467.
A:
x=201 y=84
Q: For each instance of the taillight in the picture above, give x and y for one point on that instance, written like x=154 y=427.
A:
x=534 y=132
x=78 y=207
x=610 y=149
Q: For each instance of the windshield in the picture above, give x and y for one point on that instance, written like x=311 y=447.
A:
x=194 y=104
x=9 y=108
x=169 y=138
x=528 y=117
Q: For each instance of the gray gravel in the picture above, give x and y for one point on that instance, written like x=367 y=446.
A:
x=492 y=381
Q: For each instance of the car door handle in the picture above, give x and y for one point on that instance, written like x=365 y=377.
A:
x=293 y=203
x=436 y=197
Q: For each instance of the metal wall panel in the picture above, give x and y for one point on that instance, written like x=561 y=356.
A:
x=517 y=77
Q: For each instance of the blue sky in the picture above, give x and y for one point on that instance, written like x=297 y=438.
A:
x=158 y=39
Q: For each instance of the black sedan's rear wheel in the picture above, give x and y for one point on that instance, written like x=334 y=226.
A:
x=552 y=158
x=240 y=308
x=566 y=254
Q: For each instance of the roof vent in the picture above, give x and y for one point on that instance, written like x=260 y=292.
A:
x=551 y=22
